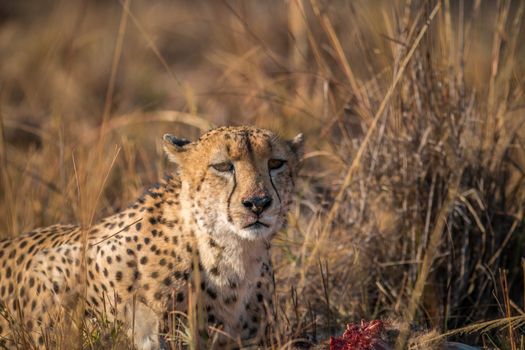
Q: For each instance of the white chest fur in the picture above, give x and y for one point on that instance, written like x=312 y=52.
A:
x=232 y=267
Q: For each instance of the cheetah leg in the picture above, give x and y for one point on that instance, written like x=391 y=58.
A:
x=143 y=326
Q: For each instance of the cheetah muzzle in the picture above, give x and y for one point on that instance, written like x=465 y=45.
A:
x=205 y=231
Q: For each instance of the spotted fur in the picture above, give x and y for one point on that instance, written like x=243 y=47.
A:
x=205 y=230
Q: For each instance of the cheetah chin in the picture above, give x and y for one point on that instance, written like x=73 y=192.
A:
x=198 y=241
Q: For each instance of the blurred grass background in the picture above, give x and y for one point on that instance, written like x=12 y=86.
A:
x=411 y=200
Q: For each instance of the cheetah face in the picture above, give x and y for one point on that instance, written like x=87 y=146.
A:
x=237 y=179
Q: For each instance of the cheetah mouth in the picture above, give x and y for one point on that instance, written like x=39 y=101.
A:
x=256 y=224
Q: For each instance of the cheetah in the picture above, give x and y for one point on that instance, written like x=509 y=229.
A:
x=203 y=231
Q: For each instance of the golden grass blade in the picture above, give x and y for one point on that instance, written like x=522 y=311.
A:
x=330 y=217
x=117 y=53
x=428 y=259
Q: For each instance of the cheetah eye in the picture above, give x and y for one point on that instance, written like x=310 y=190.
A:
x=274 y=164
x=223 y=167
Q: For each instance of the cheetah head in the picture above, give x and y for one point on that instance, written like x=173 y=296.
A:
x=237 y=180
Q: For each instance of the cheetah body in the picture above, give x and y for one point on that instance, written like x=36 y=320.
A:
x=202 y=232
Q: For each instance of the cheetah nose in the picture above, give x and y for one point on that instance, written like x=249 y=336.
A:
x=257 y=204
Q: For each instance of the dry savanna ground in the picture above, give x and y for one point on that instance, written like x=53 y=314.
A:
x=411 y=199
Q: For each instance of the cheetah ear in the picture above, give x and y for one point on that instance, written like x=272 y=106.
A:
x=297 y=146
x=174 y=147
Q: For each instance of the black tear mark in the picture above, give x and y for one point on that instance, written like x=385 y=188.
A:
x=273 y=185
x=230 y=197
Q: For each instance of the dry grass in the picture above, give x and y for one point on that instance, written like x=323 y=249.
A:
x=412 y=196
